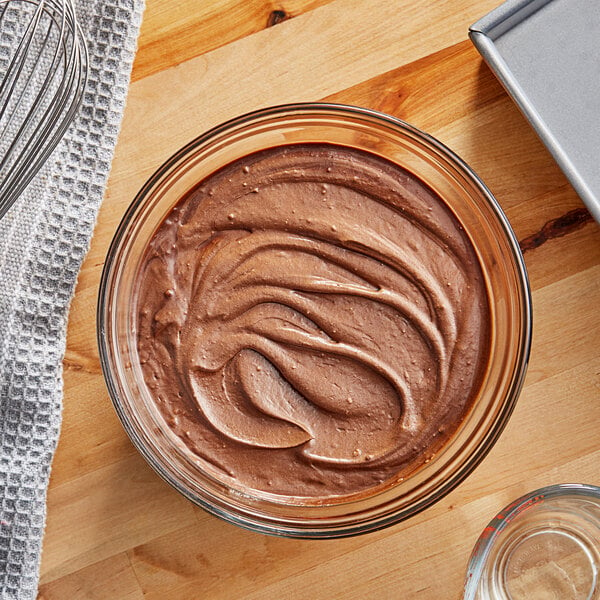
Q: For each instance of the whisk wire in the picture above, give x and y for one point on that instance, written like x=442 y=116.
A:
x=26 y=87
x=44 y=123
x=41 y=90
x=18 y=63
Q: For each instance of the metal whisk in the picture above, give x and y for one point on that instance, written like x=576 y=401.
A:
x=43 y=73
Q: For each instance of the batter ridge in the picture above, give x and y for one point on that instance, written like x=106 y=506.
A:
x=312 y=322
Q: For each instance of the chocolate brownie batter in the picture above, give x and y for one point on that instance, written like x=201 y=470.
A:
x=312 y=322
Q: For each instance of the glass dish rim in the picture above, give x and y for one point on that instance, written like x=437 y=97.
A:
x=488 y=536
x=324 y=109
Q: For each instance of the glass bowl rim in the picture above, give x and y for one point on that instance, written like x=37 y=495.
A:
x=323 y=109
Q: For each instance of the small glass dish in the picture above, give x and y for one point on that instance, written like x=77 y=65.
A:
x=545 y=545
x=501 y=263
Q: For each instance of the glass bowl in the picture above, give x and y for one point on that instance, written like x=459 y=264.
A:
x=544 y=545
x=479 y=215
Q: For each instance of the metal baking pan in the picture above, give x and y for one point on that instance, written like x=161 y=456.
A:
x=546 y=54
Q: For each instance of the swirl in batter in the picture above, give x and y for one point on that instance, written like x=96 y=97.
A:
x=312 y=322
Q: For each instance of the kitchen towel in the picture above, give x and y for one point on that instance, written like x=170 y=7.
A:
x=43 y=240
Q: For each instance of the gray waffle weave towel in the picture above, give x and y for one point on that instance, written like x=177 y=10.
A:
x=43 y=240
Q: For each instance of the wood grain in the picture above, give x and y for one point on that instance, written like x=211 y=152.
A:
x=114 y=529
x=174 y=31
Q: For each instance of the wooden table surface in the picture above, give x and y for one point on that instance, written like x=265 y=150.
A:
x=117 y=531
